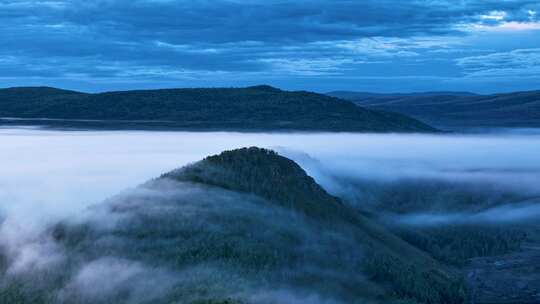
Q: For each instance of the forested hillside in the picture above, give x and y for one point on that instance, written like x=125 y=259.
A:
x=252 y=108
x=245 y=226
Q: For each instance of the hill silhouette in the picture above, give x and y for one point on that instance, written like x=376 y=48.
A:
x=252 y=108
x=455 y=109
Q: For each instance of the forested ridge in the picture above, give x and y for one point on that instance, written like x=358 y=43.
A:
x=251 y=108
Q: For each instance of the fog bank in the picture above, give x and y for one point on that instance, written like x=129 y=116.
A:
x=411 y=179
x=48 y=175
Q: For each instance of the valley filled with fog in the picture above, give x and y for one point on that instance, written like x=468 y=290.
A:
x=57 y=173
x=463 y=188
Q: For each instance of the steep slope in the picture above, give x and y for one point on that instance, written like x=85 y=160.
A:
x=252 y=108
x=520 y=109
x=245 y=226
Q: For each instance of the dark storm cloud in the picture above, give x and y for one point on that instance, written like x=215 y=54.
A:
x=163 y=39
x=233 y=21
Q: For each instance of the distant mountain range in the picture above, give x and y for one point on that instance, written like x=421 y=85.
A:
x=456 y=109
x=359 y=95
x=252 y=108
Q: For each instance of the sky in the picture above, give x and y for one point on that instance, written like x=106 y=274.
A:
x=482 y=46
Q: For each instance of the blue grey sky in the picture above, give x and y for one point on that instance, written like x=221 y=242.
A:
x=482 y=46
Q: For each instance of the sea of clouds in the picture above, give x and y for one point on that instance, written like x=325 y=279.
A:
x=49 y=176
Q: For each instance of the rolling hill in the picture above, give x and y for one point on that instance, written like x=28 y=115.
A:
x=244 y=226
x=252 y=108
x=457 y=110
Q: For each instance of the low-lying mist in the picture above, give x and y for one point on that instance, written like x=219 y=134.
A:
x=48 y=175
x=86 y=167
x=407 y=181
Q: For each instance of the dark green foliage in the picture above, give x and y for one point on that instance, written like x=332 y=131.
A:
x=233 y=241
x=278 y=179
x=458 y=236
x=266 y=174
x=409 y=282
x=253 y=108
x=456 y=244
x=406 y=196
x=235 y=225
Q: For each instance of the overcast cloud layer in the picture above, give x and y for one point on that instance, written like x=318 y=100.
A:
x=374 y=45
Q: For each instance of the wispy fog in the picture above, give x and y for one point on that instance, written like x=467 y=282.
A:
x=51 y=174
x=510 y=213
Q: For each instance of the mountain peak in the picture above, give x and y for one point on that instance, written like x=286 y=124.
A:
x=240 y=239
x=264 y=173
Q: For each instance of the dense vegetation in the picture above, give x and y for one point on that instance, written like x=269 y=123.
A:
x=456 y=244
x=457 y=109
x=442 y=217
x=252 y=108
x=282 y=181
x=266 y=174
x=245 y=226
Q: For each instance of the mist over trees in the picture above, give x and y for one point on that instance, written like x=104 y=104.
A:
x=251 y=226
x=214 y=232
